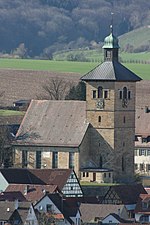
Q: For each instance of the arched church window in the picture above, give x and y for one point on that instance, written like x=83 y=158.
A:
x=100 y=92
x=99 y=119
x=125 y=92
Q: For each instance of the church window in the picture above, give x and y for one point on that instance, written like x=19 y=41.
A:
x=83 y=174
x=87 y=174
x=94 y=94
x=106 y=94
x=55 y=160
x=129 y=94
x=71 y=160
x=100 y=92
x=38 y=159
x=99 y=119
x=24 y=159
x=125 y=93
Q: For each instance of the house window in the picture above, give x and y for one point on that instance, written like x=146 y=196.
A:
x=148 y=152
x=144 y=218
x=135 y=166
x=100 y=92
x=55 y=160
x=49 y=207
x=24 y=159
x=141 y=167
x=142 y=152
x=71 y=160
x=94 y=94
x=38 y=159
x=148 y=167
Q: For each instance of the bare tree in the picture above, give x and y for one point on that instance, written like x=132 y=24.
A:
x=55 y=89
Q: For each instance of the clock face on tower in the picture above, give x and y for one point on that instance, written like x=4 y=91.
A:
x=100 y=104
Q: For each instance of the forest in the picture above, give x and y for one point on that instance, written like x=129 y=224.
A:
x=37 y=28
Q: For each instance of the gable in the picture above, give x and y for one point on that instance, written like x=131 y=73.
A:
x=72 y=188
x=112 y=197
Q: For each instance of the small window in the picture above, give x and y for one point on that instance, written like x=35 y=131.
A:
x=125 y=91
x=87 y=174
x=104 y=175
x=83 y=174
x=123 y=164
x=99 y=119
x=49 y=207
x=144 y=140
x=94 y=94
x=109 y=175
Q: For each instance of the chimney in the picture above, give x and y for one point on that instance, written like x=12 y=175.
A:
x=26 y=189
x=16 y=203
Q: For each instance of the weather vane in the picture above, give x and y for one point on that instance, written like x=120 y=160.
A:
x=111 y=25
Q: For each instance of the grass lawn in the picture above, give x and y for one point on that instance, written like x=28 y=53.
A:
x=11 y=113
x=143 y=70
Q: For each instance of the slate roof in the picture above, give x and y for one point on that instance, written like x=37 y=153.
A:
x=12 y=196
x=57 y=177
x=7 y=209
x=32 y=193
x=112 y=71
x=53 y=123
x=90 y=211
x=117 y=217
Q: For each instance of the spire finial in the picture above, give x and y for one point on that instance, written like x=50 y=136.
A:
x=111 y=26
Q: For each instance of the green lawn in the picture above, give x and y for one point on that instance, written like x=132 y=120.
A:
x=143 y=70
x=11 y=113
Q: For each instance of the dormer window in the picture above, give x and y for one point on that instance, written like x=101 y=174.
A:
x=144 y=205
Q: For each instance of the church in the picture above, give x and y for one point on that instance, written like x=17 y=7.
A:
x=94 y=137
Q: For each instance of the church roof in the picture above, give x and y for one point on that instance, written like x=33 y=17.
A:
x=53 y=123
x=112 y=71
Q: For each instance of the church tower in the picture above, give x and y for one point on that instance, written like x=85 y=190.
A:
x=110 y=109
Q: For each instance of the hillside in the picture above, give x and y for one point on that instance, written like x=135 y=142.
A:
x=137 y=40
x=40 y=28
